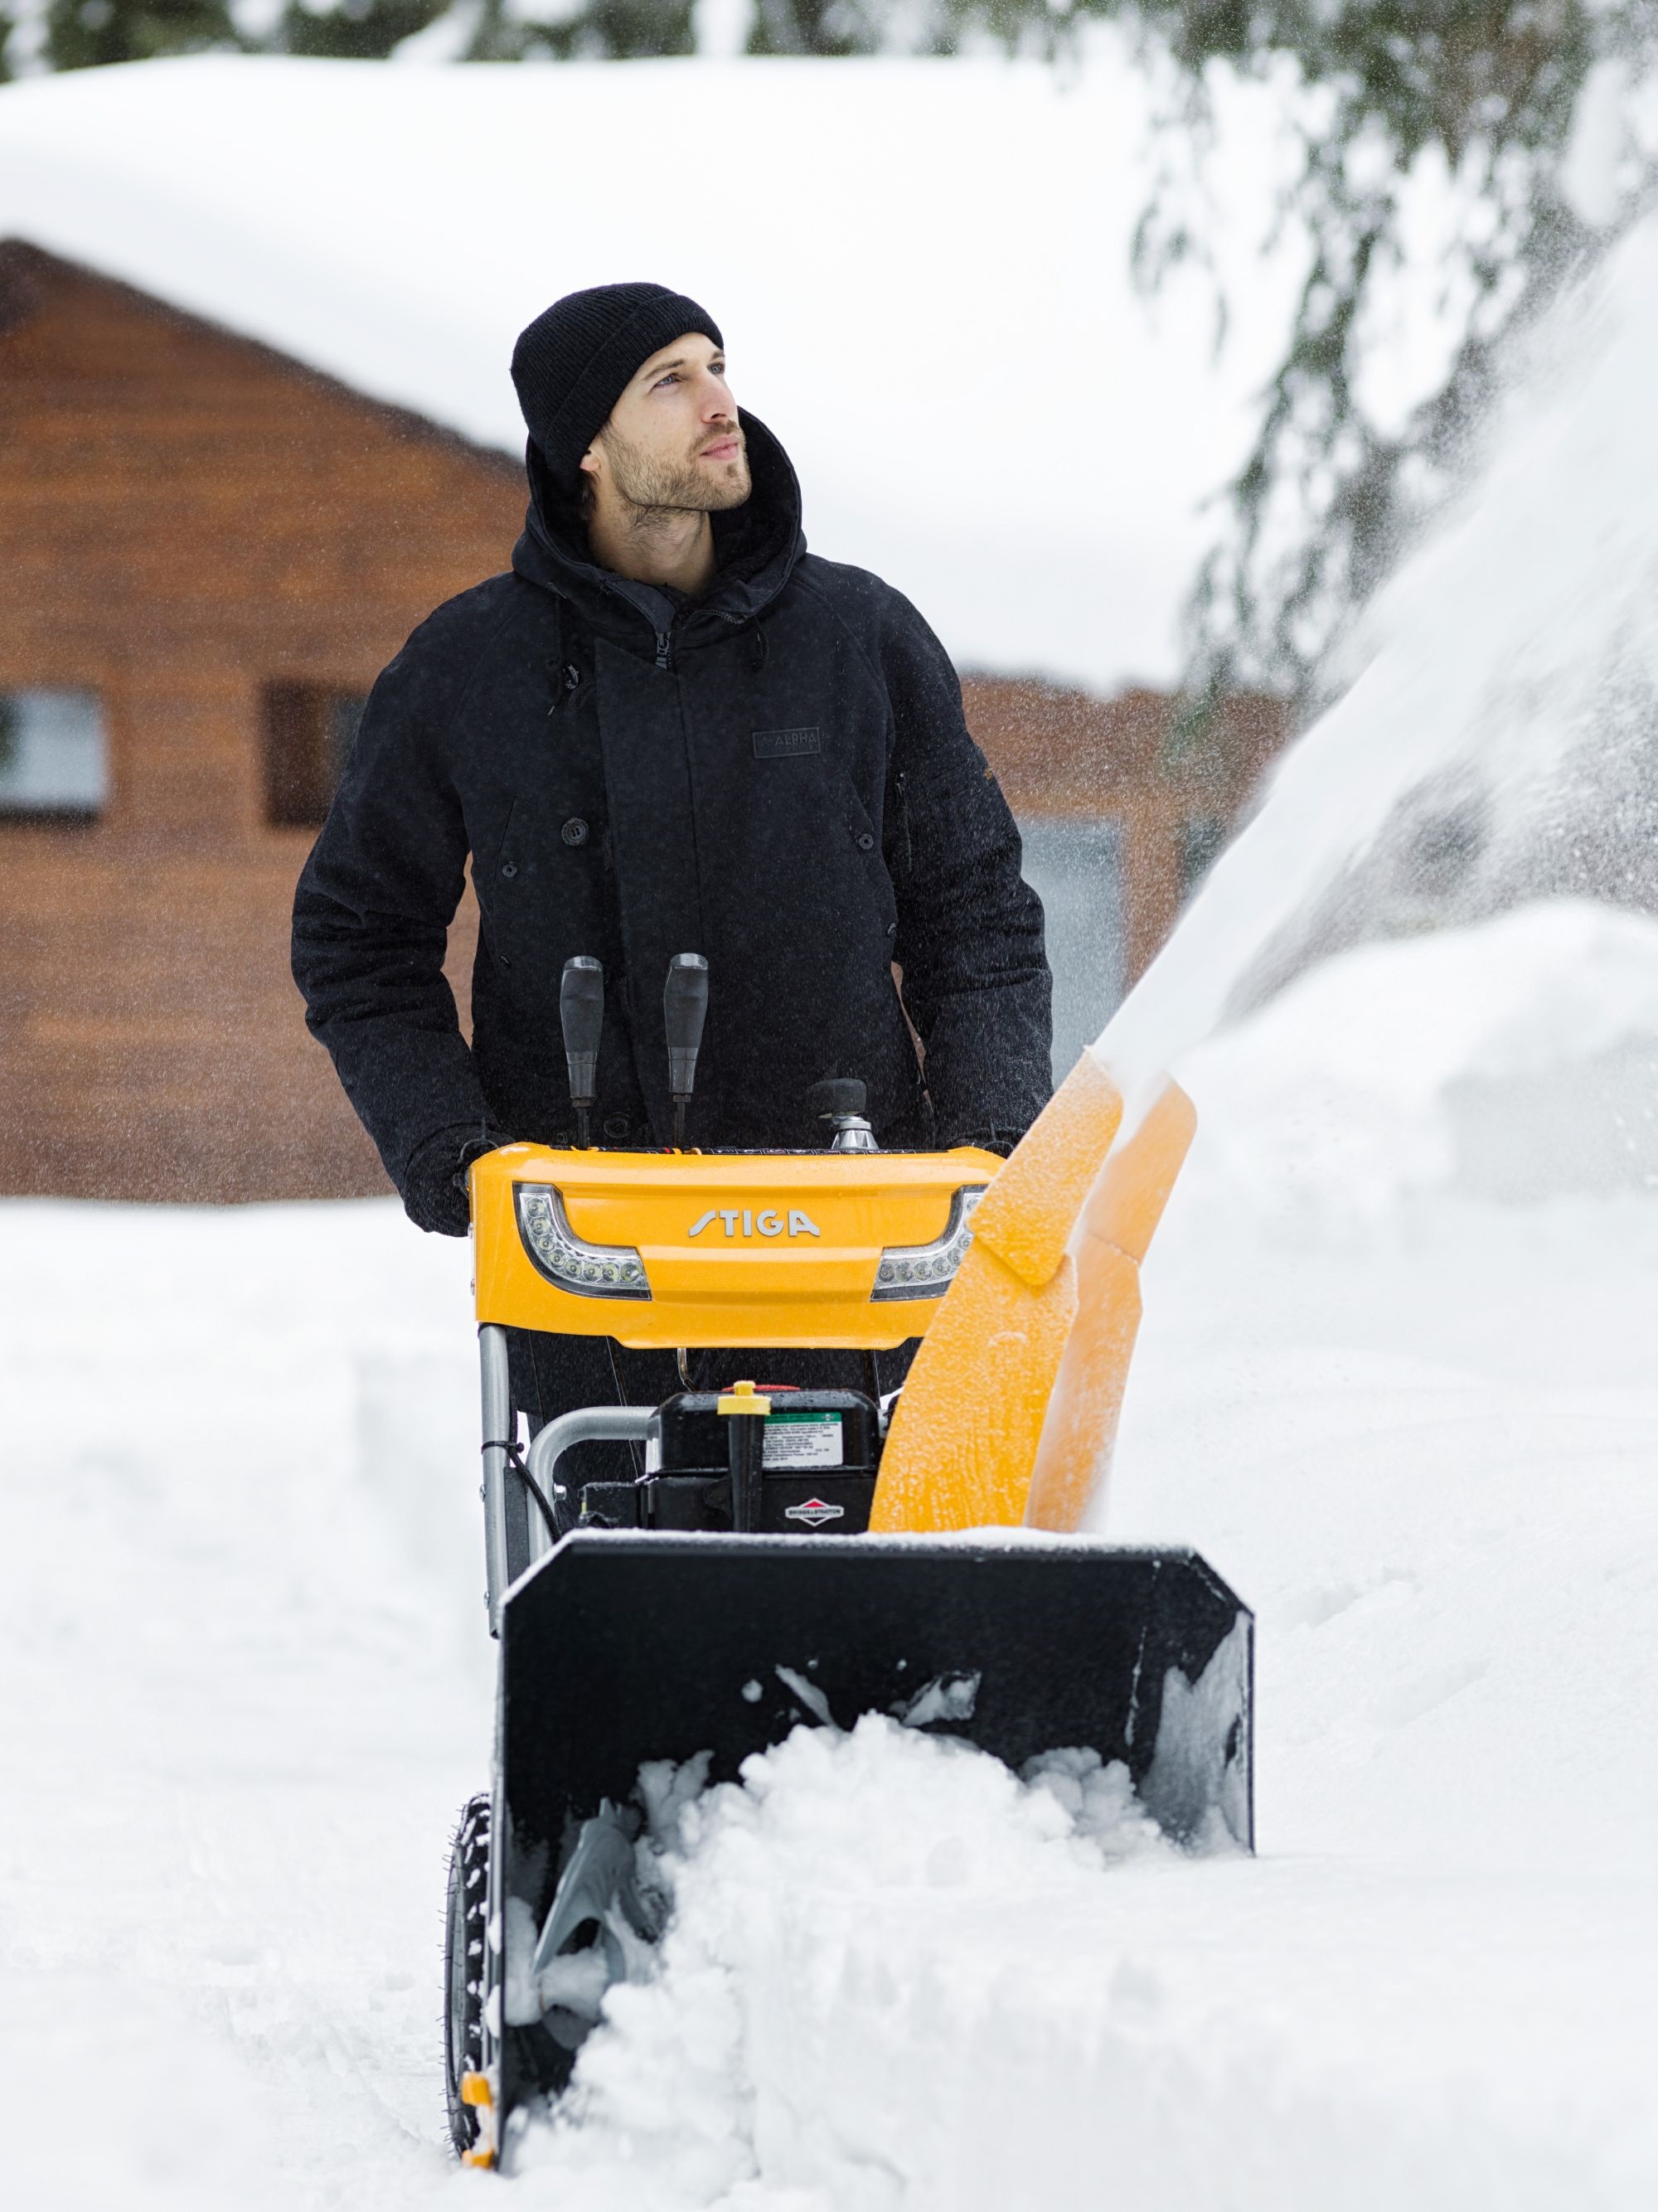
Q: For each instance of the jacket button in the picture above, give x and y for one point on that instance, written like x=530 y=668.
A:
x=865 y=840
x=509 y=869
x=574 y=831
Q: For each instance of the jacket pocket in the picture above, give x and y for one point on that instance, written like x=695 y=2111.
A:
x=497 y=850
x=493 y=869
x=903 y=858
x=861 y=831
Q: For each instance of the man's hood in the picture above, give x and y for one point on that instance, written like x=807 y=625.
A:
x=756 y=546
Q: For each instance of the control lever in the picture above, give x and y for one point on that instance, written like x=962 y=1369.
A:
x=581 y=1018
x=684 y=1010
x=840 y=1101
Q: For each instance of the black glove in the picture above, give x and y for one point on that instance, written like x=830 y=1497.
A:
x=434 y=1179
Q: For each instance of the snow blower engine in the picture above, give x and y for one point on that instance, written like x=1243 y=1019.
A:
x=768 y=1557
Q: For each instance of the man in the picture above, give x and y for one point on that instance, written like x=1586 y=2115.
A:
x=668 y=729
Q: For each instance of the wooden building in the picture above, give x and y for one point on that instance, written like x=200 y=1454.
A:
x=1121 y=816
x=209 y=552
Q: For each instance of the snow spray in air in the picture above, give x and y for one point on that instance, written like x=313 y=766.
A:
x=1496 y=741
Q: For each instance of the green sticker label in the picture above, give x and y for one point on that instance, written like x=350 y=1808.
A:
x=805 y=1439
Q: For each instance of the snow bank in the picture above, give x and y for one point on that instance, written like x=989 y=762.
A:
x=1032 y=471
x=1517 y=1059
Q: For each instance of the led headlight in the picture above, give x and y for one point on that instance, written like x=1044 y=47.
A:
x=589 y=1271
x=926 y=1271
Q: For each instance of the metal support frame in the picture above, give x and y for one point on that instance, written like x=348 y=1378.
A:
x=497 y=1411
x=587 y=1424
x=504 y=1556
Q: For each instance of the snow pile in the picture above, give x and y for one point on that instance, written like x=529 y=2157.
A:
x=836 y=1966
x=1514 y=1059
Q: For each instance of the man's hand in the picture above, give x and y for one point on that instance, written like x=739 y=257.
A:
x=435 y=1180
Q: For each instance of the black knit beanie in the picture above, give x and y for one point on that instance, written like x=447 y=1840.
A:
x=573 y=363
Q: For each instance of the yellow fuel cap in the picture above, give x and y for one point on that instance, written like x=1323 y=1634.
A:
x=743 y=1398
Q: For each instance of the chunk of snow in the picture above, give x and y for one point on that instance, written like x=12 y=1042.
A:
x=808 y=1692
x=945 y=1698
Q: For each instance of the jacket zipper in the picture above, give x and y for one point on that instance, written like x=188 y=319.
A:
x=664 y=648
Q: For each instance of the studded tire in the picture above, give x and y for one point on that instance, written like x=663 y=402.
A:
x=465 y=1966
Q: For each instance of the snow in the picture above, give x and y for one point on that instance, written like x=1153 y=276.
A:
x=1514 y=1058
x=1396 y=1381
x=1508 y=668
x=239 y=1607
x=981 y=407
x=246 y=1692
x=757 y=2036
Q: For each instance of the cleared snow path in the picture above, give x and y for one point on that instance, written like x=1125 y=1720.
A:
x=246 y=1687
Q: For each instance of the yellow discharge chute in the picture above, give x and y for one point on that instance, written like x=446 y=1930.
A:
x=1011 y=1407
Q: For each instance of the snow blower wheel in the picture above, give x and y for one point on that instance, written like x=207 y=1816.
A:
x=465 y=1962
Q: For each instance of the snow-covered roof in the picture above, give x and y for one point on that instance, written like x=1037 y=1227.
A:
x=920 y=268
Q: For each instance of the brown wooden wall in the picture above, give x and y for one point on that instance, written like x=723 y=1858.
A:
x=187 y=518
x=1062 y=753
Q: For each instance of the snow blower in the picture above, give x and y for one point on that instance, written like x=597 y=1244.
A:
x=766 y=1557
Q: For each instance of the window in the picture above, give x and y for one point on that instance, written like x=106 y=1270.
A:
x=54 y=754
x=1076 y=870
x=309 y=729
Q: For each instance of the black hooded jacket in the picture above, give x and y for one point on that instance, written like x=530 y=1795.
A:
x=778 y=776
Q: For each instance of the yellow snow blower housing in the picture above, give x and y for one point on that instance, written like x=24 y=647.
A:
x=833 y=1251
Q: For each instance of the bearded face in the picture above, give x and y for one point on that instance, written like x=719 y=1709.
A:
x=666 y=474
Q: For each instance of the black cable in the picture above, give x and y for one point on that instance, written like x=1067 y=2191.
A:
x=516 y=1461
x=635 y=1451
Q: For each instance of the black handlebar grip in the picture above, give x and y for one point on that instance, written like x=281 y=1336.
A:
x=684 y=1010
x=581 y=1018
x=836 y=1095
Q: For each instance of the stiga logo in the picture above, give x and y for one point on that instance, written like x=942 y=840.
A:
x=769 y=1222
x=815 y=1512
